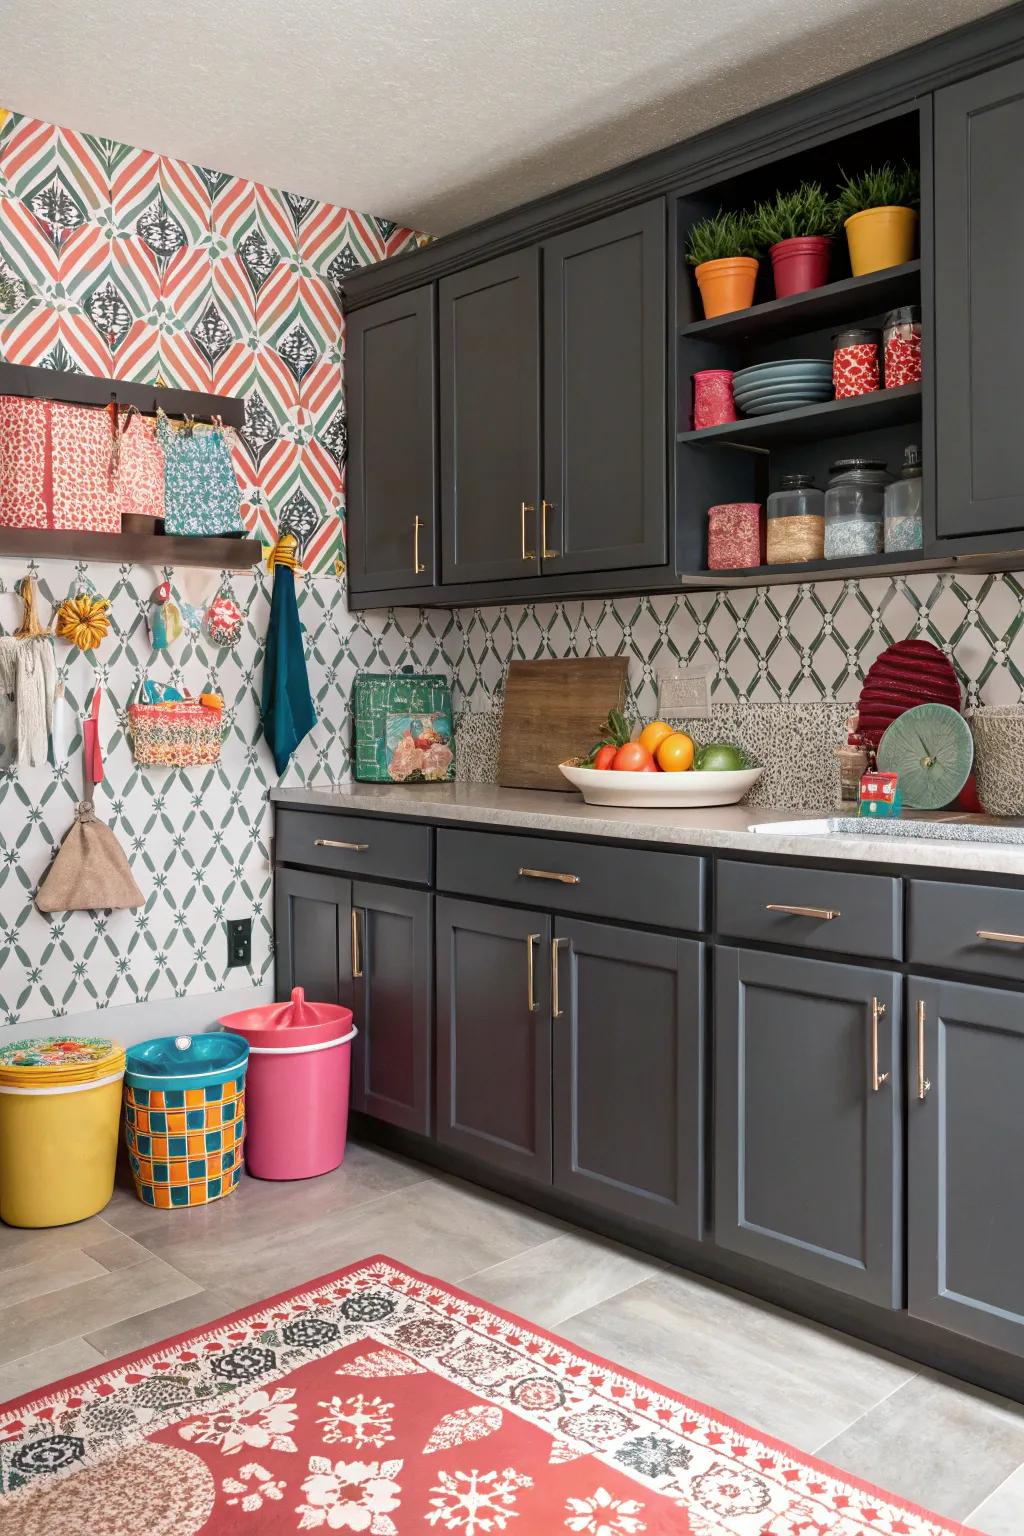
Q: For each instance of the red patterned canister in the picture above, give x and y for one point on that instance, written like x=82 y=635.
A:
x=902 y=346
x=855 y=369
x=713 y=404
x=735 y=536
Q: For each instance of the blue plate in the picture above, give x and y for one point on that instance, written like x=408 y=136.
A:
x=770 y=407
x=786 y=392
x=797 y=368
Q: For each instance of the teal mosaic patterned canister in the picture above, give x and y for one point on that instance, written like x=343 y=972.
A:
x=403 y=728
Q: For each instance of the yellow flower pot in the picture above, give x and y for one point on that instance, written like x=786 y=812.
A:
x=880 y=237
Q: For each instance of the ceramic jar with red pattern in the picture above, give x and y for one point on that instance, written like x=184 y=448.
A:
x=713 y=404
x=735 y=536
x=901 y=346
x=855 y=369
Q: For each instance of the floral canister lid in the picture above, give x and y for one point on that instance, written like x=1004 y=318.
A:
x=66 y=1056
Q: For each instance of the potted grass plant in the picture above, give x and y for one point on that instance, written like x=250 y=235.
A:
x=878 y=209
x=723 y=251
x=797 y=229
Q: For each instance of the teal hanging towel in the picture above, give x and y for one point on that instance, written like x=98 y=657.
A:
x=287 y=706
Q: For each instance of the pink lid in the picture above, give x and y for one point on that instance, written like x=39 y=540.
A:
x=305 y=1023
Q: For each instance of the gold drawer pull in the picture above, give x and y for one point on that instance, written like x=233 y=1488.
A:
x=531 y=997
x=1000 y=938
x=923 y=1084
x=556 y=945
x=527 y=554
x=332 y=842
x=545 y=553
x=357 y=963
x=825 y=913
x=877 y=1078
x=549 y=874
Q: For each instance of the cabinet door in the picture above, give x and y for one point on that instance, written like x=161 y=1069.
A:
x=965 y=1194
x=489 y=325
x=605 y=444
x=313 y=935
x=808 y=1170
x=394 y=966
x=392 y=418
x=493 y=1048
x=628 y=1063
x=979 y=256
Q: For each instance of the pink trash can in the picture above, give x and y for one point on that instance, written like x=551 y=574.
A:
x=297 y=1086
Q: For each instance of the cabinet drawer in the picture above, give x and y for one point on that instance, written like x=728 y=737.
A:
x=634 y=885
x=358 y=845
x=817 y=909
x=946 y=921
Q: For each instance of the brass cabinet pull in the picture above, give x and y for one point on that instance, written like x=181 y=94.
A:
x=417 y=565
x=333 y=842
x=548 y=874
x=524 y=507
x=877 y=1078
x=531 y=1000
x=825 y=913
x=545 y=553
x=357 y=962
x=923 y=1084
x=556 y=945
x=1000 y=938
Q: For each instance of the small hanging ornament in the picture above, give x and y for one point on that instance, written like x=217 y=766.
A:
x=164 y=619
x=224 y=621
x=30 y=627
x=84 y=620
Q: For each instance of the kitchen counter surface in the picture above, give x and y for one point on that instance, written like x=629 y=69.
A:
x=726 y=828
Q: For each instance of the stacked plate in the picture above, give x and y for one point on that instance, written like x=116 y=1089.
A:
x=782 y=386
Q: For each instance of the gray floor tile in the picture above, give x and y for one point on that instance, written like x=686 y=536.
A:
x=1002 y=1513
x=150 y=1327
x=23 y=1245
x=936 y=1442
x=45 y=1366
x=774 y=1371
x=118 y=1251
x=24 y=1281
x=566 y=1275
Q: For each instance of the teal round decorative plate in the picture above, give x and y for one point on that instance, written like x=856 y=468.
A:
x=932 y=750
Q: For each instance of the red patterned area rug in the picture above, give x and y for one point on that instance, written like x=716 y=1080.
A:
x=381 y=1400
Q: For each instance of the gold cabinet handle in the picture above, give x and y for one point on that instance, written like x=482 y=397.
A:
x=1000 y=938
x=556 y=945
x=545 y=553
x=357 y=961
x=531 y=1000
x=877 y=1078
x=524 y=507
x=548 y=874
x=417 y=565
x=825 y=913
x=923 y=1084
x=333 y=842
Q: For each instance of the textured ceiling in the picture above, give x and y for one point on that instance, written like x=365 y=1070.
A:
x=433 y=112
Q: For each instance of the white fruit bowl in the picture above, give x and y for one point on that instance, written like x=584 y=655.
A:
x=661 y=791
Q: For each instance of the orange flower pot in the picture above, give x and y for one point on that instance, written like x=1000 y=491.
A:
x=880 y=237
x=726 y=284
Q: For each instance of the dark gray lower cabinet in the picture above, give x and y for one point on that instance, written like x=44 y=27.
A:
x=628 y=1062
x=368 y=947
x=494 y=1035
x=808 y=1171
x=965 y=1139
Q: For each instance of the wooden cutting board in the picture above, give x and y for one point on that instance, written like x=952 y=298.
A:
x=555 y=710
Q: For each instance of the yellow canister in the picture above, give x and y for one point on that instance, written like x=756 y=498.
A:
x=60 y=1105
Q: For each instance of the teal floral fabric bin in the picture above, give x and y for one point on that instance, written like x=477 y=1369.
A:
x=403 y=728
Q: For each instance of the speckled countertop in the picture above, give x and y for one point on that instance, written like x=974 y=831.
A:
x=726 y=827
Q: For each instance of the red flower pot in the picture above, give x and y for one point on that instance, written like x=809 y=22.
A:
x=800 y=264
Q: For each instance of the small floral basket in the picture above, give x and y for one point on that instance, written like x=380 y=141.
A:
x=176 y=732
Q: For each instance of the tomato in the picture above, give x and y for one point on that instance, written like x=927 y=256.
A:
x=633 y=758
x=603 y=756
x=675 y=754
x=654 y=734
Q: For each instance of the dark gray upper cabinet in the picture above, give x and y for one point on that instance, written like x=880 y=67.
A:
x=313 y=935
x=394 y=976
x=808 y=1171
x=628 y=1072
x=390 y=363
x=494 y=1035
x=979 y=257
x=489 y=337
x=965 y=1195
x=605 y=445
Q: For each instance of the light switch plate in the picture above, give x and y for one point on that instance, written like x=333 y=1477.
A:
x=684 y=695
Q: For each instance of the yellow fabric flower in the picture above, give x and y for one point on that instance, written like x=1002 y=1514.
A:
x=84 y=621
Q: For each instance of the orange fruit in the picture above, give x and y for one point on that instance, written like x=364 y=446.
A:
x=675 y=753
x=653 y=735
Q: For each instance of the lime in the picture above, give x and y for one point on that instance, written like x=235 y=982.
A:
x=720 y=757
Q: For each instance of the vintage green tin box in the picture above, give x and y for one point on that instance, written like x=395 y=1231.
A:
x=403 y=728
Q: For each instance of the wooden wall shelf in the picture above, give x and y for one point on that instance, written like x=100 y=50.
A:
x=129 y=548
x=82 y=389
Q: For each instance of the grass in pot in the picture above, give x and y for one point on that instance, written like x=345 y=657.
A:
x=879 y=212
x=797 y=229
x=723 y=251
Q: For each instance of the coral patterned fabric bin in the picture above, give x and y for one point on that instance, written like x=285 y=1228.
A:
x=56 y=466
x=185 y=1129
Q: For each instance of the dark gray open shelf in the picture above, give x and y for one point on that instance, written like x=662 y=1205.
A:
x=849 y=299
x=833 y=418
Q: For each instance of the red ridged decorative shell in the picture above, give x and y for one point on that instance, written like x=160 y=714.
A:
x=908 y=673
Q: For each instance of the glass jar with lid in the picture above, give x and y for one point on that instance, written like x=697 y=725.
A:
x=855 y=508
x=904 y=526
x=796 y=521
x=902 y=346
